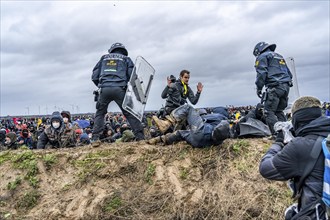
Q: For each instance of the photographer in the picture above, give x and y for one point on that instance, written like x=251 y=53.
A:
x=177 y=91
x=290 y=160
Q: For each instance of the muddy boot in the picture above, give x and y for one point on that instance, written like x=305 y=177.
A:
x=155 y=140
x=171 y=138
x=163 y=125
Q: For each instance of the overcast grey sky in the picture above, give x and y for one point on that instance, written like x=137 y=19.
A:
x=49 y=48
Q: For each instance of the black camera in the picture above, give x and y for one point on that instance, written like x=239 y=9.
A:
x=172 y=78
x=96 y=95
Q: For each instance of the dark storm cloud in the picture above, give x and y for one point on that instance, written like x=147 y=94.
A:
x=49 y=49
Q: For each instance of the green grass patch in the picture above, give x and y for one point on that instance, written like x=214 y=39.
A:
x=27 y=161
x=149 y=173
x=5 y=156
x=240 y=145
x=90 y=164
x=183 y=173
x=112 y=204
x=13 y=185
x=49 y=160
x=28 y=200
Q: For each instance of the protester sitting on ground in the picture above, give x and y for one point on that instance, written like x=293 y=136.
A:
x=34 y=135
x=66 y=115
x=25 y=138
x=210 y=130
x=57 y=135
x=82 y=137
x=289 y=160
x=2 y=136
x=11 y=141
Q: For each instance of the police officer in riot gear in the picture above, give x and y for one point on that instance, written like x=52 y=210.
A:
x=111 y=75
x=275 y=76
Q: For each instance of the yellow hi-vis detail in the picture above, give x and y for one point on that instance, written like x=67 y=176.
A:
x=257 y=62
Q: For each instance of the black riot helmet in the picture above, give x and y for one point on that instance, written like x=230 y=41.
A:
x=118 y=48
x=221 y=131
x=261 y=47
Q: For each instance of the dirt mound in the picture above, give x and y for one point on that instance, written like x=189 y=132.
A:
x=140 y=181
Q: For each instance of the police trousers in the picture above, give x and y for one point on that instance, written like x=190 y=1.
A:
x=117 y=94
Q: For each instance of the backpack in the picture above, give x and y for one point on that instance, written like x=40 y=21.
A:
x=326 y=176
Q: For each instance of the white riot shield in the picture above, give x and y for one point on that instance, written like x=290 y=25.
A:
x=294 y=90
x=138 y=88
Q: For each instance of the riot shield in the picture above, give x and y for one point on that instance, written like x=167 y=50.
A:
x=138 y=88
x=294 y=90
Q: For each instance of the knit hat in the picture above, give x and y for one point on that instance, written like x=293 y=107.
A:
x=305 y=102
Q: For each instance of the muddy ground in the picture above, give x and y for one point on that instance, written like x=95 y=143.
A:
x=140 y=181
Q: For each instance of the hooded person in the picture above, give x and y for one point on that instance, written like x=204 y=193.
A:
x=11 y=140
x=288 y=161
x=66 y=115
x=25 y=138
x=57 y=135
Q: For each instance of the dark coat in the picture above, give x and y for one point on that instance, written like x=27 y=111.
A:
x=175 y=96
x=290 y=162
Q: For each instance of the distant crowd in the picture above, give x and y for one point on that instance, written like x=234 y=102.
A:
x=16 y=132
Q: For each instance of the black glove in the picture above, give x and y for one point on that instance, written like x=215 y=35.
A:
x=259 y=93
x=279 y=137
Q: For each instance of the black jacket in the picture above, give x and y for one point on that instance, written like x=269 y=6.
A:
x=175 y=96
x=290 y=162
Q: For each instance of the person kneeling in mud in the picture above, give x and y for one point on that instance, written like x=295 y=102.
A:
x=202 y=132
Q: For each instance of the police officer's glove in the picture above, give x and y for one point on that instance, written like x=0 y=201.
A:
x=259 y=93
x=280 y=138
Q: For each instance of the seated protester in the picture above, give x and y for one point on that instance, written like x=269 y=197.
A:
x=2 y=136
x=66 y=115
x=25 y=138
x=288 y=161
x=57 y=135
x=107 y=134
x=82 y=137
x=11 y=141
x=88 y=131
x=34 y=135
x=202 y=132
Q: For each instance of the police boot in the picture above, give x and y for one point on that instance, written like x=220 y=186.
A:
x=163 y=125
x=155 y=140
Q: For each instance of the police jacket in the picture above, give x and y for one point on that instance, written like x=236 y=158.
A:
x=176 y=96
x=289 y=163
x=113 y=69
x=271 y=70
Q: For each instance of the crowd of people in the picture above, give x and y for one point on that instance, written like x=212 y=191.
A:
x=203 y=127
